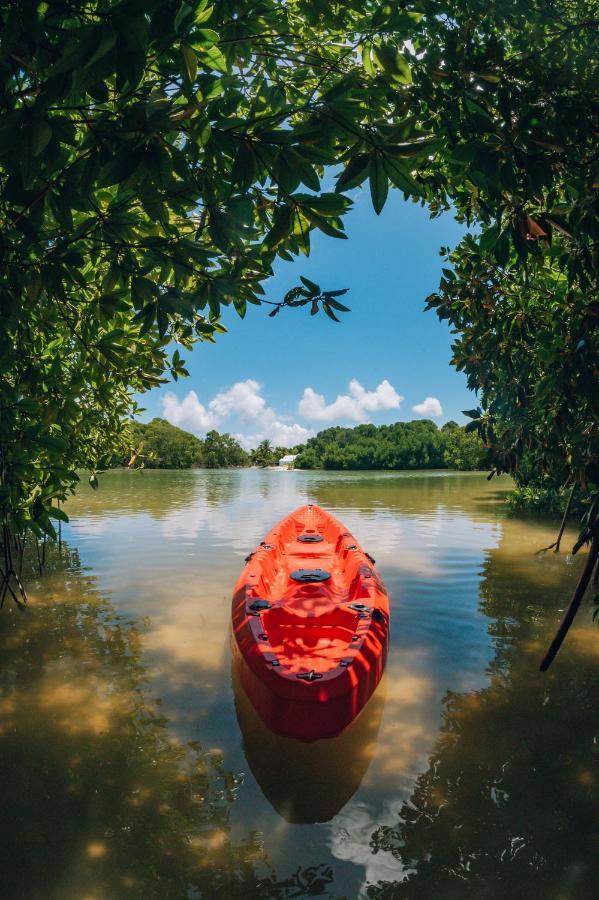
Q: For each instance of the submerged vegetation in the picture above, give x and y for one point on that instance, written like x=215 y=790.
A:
x=157 y=157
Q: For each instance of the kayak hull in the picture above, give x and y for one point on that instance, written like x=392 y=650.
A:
x=319 y=777
x=310 y=619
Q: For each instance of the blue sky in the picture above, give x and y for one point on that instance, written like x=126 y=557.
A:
x=291 y=376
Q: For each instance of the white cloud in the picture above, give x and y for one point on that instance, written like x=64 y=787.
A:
x=430 y=406
x=243 y=398
x=278 y=433
x=353 y=406
x=188 y=413
x=243 y=401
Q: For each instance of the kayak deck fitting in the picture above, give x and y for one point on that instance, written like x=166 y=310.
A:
x=311 y=626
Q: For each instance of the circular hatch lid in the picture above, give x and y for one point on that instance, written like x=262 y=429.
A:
x=310 y=575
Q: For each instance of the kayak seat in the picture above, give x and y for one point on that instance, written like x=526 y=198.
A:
x=309 y=642
x=297 y=616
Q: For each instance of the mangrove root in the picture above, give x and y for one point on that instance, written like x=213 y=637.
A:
x=575 y=602
x=558 y=540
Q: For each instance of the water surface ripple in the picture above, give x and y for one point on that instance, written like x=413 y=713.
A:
x=135 y=767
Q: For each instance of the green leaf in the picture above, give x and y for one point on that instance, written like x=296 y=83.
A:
x=118 y=169
x=107 y=41
x=244 y=167
x=323 y=224
x=560 y=223
x=338 y=293
x=240 y=306
x=311 y=285
x=184 y=13
x=379 y=184
x=40 y=137
x=354 y=173
x=393 y=63
x=413 y=148
x=402 y=179
x=404 y=74
x=335 y=304
x=56 y=513
x=212 y=58
x=203 y=13
x=330 y=312
x=281 y=227
x=190 y=62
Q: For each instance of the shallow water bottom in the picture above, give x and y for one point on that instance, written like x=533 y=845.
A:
x=133 y=764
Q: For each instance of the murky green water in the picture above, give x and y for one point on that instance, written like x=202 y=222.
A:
x=132 y=766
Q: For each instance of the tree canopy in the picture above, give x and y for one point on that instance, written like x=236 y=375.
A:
x=157 y=156
x=403 y=445
x=221 y=451
x=160 y=445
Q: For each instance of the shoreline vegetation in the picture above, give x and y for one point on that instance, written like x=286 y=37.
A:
x=401 y=446
x=418 y=444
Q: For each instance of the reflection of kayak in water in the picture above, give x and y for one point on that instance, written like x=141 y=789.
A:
x=311 y=619
x=307 y=782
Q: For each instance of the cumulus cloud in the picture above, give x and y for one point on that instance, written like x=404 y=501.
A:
x=242 y=400
x=353 y=406
x=243 y=405
x=278 y=433
x=188 y=413
x=430 y=406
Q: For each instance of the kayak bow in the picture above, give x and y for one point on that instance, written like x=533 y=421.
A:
x=311 y=626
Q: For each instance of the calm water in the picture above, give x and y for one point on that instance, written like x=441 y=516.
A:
x=132 y=765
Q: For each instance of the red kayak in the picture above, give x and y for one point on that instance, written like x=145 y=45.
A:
x=311 y=626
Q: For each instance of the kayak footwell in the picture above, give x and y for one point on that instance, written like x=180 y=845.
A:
x=310 y=619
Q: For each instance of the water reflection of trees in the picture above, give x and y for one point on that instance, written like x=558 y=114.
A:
x=407 y=493
x=123 y=493
x=508 y=804
x=98 y=799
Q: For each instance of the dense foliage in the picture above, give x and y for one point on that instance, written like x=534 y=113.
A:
x=403 y=445
x=221 y=451
x=156 y=156
x=160 y=445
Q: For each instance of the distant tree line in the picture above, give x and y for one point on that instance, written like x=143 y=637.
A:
x=160 y=445
x=403 y=445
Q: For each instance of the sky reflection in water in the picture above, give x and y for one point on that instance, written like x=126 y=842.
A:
x=140 y=770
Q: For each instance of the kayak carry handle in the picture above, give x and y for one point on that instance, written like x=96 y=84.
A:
x=309 y=676
x=259 y=605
